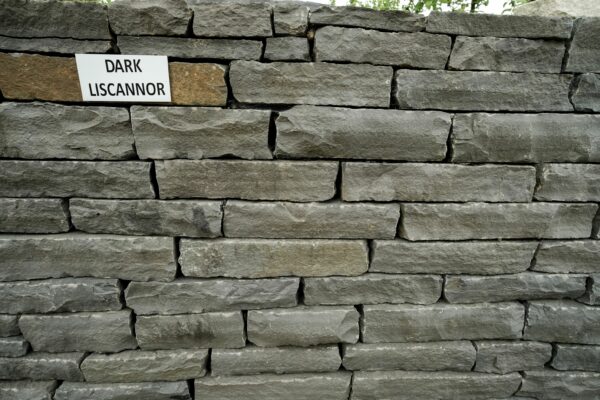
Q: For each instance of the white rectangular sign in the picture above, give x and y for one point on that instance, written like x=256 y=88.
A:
x=123 y=78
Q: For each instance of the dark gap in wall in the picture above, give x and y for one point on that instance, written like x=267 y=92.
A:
x=474 y=344
x=553 y=356
x=338 y=183
x=57 y=384
x=310 y=35
x=534 y=257
x=361 y=320
x=230 y=102
x=589 y=287
x=272 y=134
x=123 y=284
x=520 y=383
x=245 y=318
x=223 y=204
x=300 y=293
x=65 y=206
x=526 y=305
x=134 y=145
x=176 y=246
x=568 y=44
x=393 y=101
x=82 y=359
x=154 y=180
x=443 y=298
x=538 y=177
x=452 y=42
x=191 y=387
x=133 y=322
x=263 y=49
x=189 y=31
x=370 y=250
x=572 y=88
x=449 y=147
x=341 y=352
x=351 y=387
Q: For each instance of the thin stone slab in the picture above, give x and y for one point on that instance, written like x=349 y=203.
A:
x=586 y=94
x=114 y=391
x=263 y=258
x=389 y=20
x=568 y=182
x=592 y=296
x=290 y=18
x=303 y=326
x=287 y=48
x=431 y=356
x=226 y=19
x=54 y=45
x=13 y=346
x=19 y=390
x=576 y=256
x=558 y=385
x=418 y=323
x=149 y=17
x=33 y=216
x=584 y=51
x=145 y=366
x=9 y=325
x=501 y=357
x=574 y=357
x=43 y=366
x=563 y=321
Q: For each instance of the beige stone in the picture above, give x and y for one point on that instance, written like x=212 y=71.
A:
x=198 y=84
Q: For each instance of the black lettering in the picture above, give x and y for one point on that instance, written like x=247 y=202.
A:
x=118 y=66
x=151 y=86
x=103 y=89
x=110 y=66
x=109 y=87
x=136 y=65
x=130 y=89
x=140 y=89
x=92 y=93
x=120 y=91
x=127 y=65
x=161 y=88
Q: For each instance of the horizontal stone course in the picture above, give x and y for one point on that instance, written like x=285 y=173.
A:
x=54 y=45
x=33 y=216
x=562 y=321
x=558 y=385
x=570 y=357
x=392 y=20
x=107 y=391
x=18 y=390
x=568 y=182
x=13 y=347
x=225 y=19
x=43 y=366
x=584 y=52
x=149 y=17
x=576 y=256
x=501 y=357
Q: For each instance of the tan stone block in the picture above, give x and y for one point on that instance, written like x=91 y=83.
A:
x=198 y=84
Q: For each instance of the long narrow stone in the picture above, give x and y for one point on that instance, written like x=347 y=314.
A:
x=33 y=215
x=113 y=391
x=568 y=182
x=389 y=20
x=574 y=256
x=149 y=17
x=232 y=19
x=557 y=385
x=55 y=45
x=19 y=390
x=13 y=347
x=501 y=357
x=43 y=366
x=575 y=357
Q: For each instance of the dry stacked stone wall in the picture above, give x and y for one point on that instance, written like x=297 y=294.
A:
x=338 y=204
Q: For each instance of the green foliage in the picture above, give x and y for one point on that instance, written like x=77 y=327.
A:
x=420 y=6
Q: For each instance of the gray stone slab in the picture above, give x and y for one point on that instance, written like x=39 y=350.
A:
x=43 y=366
x=287 y=48
x=584 y=52
x=12 y=346
x=54 y=45
x=33 y=215
x=149 y=17
x=568 y=182
x=19 y=390
x=9 y=325
x=368 y=18
x=501 y=357
x=577 y=256
x=563 y=321
x=114 y=391
x=575 y=357
x=558 y=385
x=226 y=19
x=586 y=94
x=290 y=18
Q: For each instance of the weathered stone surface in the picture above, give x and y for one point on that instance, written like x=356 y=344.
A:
x=501 y=357
x=194 y=132
x=278 y=360
x=191 y=331
x=290 y=18
x=99 y=256
x=573 y=357
x=477 y=258
x=43 y=366
x=197 y=84
x=402 y=385
x=223 y=19
x=437 y=182
x=506 y=54
x=333 y=220
x=577 y=256
x=458 y=23
x=144 y=366
x=19 y=390
x=54 y=45
x=45 y=130
x=586 y=94
x=522 y=286
x=533 y=138
x=287 y=48
x=415 y=50
x=373 y=289
x=250 y=180
x=334 y=132
x=324 y=386
x=196 y=296
x=432 y=356
x=568 y=182
x=421 y=221
x=147 y=217
x=303 y=326
x=563 y=321
x=104 y=179
x=563 y=8
x=368 y=18
x=417 y=323
x=592 y=296
x=262 y=258
x=102 y=332
x=9 y=325
x=555 y=385
x=33 y=216
x=310 y=83
x=149 y=17
x=484 y=91
x=114 y=391
x=13 y=346
x=584 y=52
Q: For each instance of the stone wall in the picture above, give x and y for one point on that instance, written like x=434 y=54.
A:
x=338 y=204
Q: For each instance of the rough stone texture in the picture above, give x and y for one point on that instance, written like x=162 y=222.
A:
x=195 y=296
x=482 y=91
x=501 y=357
x=43 y=366
x=99 y=256
x=568 y=182
x=290 y=18
x=54 y=45
x=114 y=391
x=143 y=366
x=563 y=321
x=592 y=296
x=367 y=18
x=102 y=332
x=566 y=8
x=193 y=132
x=530 y=138
x=104 y=179
x=577 y=256
x=13 y=346
x=9 y=325
x=374 y=289
x=303 y=326
x=60 y=295
x=477 y=258
x=223 y=19
x=263 y=258
x=250 y=180
x=571 y=357
x=197 y=84
x=432 y=356
x=278 y=360
x=147 y=217
x=333 y=132
x=45 y=130
x=437 y=182
x=191 y=331
x=149 y=17
x=586 y=94
x=33 y=216
x=324 y=386
x=19 y=390
x=422 y=221
x=584 y=52
x=416 y=323
x=522 y=286
x=310 y=83
x=287 y=48
x=401 y=385
x=310 y=220
x=507 y=54
x=555 y=385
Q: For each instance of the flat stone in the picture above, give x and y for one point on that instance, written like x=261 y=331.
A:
x=290 y=18
x=586 y=94
x=287 y=48
x=147 y=217
x=303 y=326
x=573 y=256
x=592 y=296
x=191 y=331
x=13 y=346
x=54 y=45
x=278 y=360
x=103 y=332
x=194 y=132
x=334 y=132
x=43 y=366
x=356 y=85
x=421 y=221
x=196 y=296
x=263 y=258
x=477 y=258
x=574 y=357
x=224 y=19
x=19 y=390
x=507 y=54
x=418 y=323
x=563 y=321
x=566 y=8
x=197 y=84
x=568 y=182
x=555 y=385
x=332 y=220
x=531 y=138
x=113 y=391
x=33 y=216
x=501 y=357
x=392 y=20
x=104 y=179
x=437 y=182
x=432 y=356
x=9 y=325
x=77 y=255
x=584 y=51
x=45 y=130
x=323 y=386
x=149 y=17
x=144 y=366
x=250 y=180
x=482 y=91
